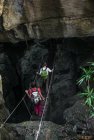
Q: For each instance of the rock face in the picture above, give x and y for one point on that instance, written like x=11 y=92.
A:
x=27 y=130
x=18 y=66
x=21 y=20
x=3 y=110
x=19 y=63
x=39 y=26
x=3 y=113
x=69 y=57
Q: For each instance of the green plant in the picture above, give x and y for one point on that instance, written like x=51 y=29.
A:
x=88 y=91
x=87 y=82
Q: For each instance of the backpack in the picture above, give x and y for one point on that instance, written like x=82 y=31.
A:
x=44 y=74
x=35 y=97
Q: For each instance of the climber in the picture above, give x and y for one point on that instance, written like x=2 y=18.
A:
x=44 y=72
x=36 y=97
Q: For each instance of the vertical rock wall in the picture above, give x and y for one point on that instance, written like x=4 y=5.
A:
x=70 y=55
x=19 y=63
x=18 y=66
x=30 y=19
x=3 y=110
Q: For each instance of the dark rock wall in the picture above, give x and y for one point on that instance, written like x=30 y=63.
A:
x=18 y=66
x=19 y=63
x=70 y=56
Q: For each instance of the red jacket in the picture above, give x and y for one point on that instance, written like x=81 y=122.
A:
x=31 y=90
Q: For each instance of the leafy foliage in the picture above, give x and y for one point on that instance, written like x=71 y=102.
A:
x=88 y=93
x=87 y=75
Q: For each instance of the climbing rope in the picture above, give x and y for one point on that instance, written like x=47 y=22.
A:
x=38 y=69
x=40 y=124
x=27 y=108
x=29 y=87
x=2 y=125
x=44 y=109
x=23 y=99
x=34 y=78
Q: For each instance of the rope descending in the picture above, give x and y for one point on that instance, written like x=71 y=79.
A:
x=47 y=97
x=2 y=125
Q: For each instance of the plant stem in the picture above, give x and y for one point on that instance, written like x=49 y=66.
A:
x=88 y=83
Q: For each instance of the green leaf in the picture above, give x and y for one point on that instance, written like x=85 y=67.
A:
x=86 y=79
x=88 y=102
x=81 y=81
x=84 y=94
x=92 y=97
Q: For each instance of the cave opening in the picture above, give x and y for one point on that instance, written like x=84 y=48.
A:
x=19 y=63
x=18 y=66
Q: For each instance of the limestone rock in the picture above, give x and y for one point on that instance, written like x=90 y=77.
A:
x=3 y=110
x=78 y=116
x=49 y=130
x=3 y=114
x=45 y=19
x=1 y=6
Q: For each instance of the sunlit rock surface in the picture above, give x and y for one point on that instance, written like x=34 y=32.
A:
x=3 y=111
x=21 y=20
